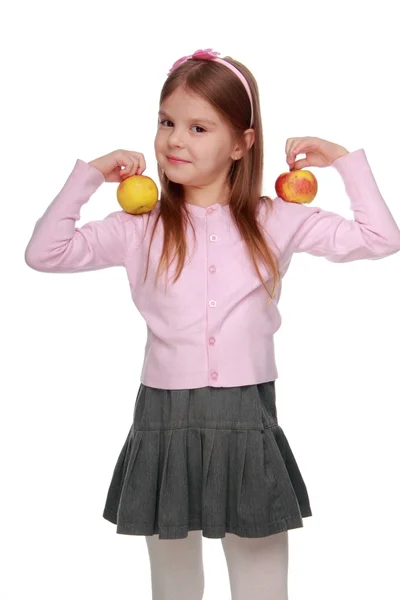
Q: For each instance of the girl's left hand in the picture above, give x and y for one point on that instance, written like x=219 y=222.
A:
x=319 y=153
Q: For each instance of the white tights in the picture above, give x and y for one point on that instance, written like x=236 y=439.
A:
x=257 y=567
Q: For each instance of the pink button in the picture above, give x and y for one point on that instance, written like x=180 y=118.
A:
x=212 y=269
x=211 y=341
x=212 y=303
x=214 y=376
x=210 y=211
x=213 y=237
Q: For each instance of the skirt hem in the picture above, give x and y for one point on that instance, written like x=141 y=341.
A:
x=211 y=531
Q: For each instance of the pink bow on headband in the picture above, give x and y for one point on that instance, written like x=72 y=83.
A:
x=208 y=54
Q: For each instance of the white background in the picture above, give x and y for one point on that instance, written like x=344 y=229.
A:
x=81 y=79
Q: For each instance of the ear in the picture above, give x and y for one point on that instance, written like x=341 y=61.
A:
x=249 y=136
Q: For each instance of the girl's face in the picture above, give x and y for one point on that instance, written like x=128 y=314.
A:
x=191 y=130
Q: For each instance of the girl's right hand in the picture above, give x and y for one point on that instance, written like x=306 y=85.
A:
x=110 y=165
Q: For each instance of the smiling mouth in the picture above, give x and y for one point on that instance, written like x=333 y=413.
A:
x=177 y=161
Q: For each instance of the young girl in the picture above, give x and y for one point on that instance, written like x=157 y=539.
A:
x=205 y=455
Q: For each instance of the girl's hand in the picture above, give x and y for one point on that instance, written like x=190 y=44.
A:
x=319 y=153
x=111 y=165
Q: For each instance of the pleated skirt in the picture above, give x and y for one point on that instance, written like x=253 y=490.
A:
x=211 y=459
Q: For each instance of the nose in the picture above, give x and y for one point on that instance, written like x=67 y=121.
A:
x=175 y=138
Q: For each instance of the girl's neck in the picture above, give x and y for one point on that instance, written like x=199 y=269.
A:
x=207 y=197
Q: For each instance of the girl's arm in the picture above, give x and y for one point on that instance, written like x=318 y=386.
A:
x=373 y=233
x=56 y=245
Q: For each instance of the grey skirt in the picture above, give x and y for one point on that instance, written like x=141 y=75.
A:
x=213 y=459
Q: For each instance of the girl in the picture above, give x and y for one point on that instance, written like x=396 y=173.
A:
x=205 y=455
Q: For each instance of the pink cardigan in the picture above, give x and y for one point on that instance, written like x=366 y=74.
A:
x=212 y=327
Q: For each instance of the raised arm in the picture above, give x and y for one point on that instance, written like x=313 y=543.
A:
x=373 y=233
x=57 y=245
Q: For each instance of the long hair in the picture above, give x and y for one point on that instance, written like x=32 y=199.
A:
x=226 y=93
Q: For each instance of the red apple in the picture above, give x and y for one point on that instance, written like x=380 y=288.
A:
x=299 y=185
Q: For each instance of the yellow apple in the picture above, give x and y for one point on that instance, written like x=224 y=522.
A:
x=298 y=185
x=137 y=194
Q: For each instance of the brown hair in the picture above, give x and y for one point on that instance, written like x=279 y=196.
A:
x=226 y=93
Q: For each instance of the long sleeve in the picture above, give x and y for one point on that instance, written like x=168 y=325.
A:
x=57 y=245
x=373 y=233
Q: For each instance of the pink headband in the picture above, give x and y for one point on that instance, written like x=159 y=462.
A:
x=211 y=55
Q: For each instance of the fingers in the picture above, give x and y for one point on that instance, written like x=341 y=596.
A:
x=295 y=146
x=291 y=151
x=289 y=143
x=141 y=166
x=299 y=164
x=134 y=163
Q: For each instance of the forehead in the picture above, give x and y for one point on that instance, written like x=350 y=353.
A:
x=189 y=104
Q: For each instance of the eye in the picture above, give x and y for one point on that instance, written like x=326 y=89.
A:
x=165 y=121
x=198 y=127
